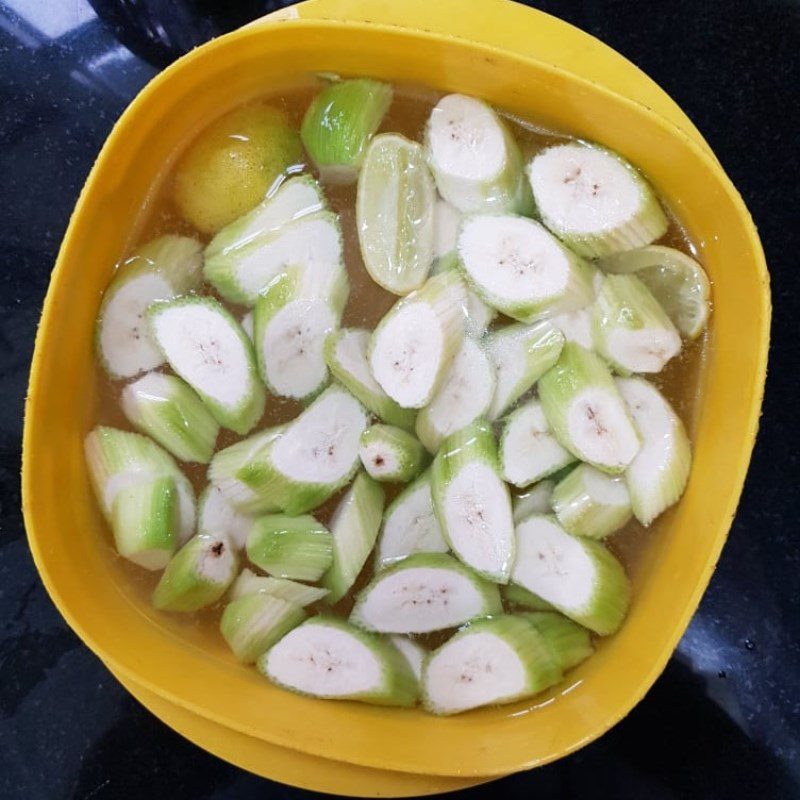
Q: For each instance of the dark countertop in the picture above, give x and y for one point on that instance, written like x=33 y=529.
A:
x=723 y=721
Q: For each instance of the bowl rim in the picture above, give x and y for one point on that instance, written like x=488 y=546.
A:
x=739 y=468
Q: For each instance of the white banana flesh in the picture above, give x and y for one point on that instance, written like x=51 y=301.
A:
x=465 y=394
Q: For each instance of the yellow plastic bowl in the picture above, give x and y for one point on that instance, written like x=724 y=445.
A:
x=171 y=659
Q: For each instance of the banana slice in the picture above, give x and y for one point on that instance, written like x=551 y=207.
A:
x=169 y=410
x=243 y=474
x=630 y=329
x=576 y=326
x=446 y=222
x=528 y=449
x=410 y=525
x=255 y=622
x=571 y=643
x=329 y=658
x=120 y=459
x=586 y=412
x=241 y=273
x=216 y=514
x=346 y=357
x=533 y=500
x=317 y=454
x=299 y=548
x=478 y=314
x=198 y=574
x=354 y=526
x=395 y=213
x=413 y=653
x=516 y=266
x=144 y=522
x=391 y=454
x=593 y=200
x=298 y=594
x=465 y=394
x=248 y=325
x=489 y=662
x=411 y=348
x=293 y=318
x=474 y=158
x=472 y=503
x=517 y=597
x=657 y=477
x=521 y=354
x=291 y=200
x=423 y=593
x=339 y=123
x=164 y=268
x=590 y=503
x=577 y=576
x=206 y=347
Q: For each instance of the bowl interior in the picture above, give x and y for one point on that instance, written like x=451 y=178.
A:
x=170 y=657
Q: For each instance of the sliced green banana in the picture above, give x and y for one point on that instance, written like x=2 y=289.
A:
x=446 y=222
x=576 y=326
x=516 y=266
x=299 y=594
x=167 y=267
x=346 y=357
x=248 y=325
x=198 y=574
x=472 y=502
x=243 y=472
x=297 y=468
x=395 y=213
x=169 y=410
x=590 y=503
x=594 y=200
x=657 y=477
x=410 y=525
x=629 y=327
x=119 y=459
x=391 y=454
x=676 y=280
x=329 y=658
x=241 y=273
x=528 y=449
x=291 y=200
x=465 y=394
x=144 y=520
x=413 y=345
x=586 y=412
x=533 y=500
x=413 y=653
x=478 y=314
x=423 y=593
x=339 y=124
x=294 y=316
x=216 y=515
x=299 y=548
x=474 y=158
x=578 y=576
x=354 y=526
x=206 y=346
x=517 y=597
x=571 y=643
x=488 y=662
x=521 y=354
x=255 y=622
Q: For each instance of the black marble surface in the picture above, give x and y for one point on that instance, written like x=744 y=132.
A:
x=723 y=721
